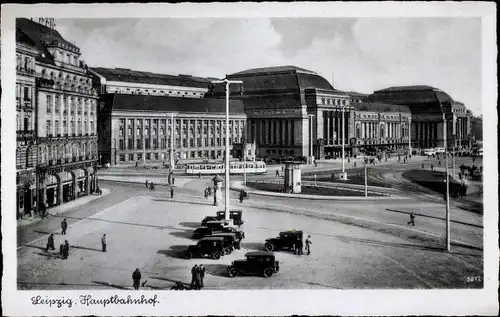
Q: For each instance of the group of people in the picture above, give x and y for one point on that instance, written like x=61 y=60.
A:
x=150 y=185
x=197 y=276
x=63 y=248
x=208 y=192
x=299 y=245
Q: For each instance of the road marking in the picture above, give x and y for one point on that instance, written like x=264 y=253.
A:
x=59 y=230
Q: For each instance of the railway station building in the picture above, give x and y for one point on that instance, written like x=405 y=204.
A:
x=430 y=108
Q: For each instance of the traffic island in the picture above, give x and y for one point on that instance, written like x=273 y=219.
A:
x=312 y=190
x=436 y=181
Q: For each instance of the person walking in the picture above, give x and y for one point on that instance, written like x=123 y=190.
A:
x=199 y=174
x=64 y=226
x=136 y=277
x=277 y=173
x=308 y=244
x=298 y=246
x=103 y=242
x=194 y=273
x=173 y=180
x=50 y=243
x=354 y=164
x=202 y=275
x=423 y=165
x=439 y=163
x=65 y=251
x=432 y=167
x=171 y=192
x=242 y=196
x=152 y=186
x=412 y=219
x=147 y=184
x=205 y=193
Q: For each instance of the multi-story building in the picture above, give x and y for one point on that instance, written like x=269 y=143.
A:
x=381 y=126
x=65 y=115
x=430 y=109
x=293 y=112
x=477 y=128
x=137 y=129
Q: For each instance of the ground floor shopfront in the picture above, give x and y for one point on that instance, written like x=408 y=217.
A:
x=57 y=185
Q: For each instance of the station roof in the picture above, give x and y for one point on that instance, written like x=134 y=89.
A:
x=140 y=77
x=151 y=103
x=377 y=106
x=269 y=79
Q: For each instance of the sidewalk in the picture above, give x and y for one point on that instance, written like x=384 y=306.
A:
x=157 y=180
x=62 y=208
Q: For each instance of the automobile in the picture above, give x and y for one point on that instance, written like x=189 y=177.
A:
x=208 y=218
x=256 y=262
x=207 y=231
x=216 y=224
x=235 y=215
x=231 y=241
x=439 y=150
x=210 y=246
x=429 y=152
x=284 y=241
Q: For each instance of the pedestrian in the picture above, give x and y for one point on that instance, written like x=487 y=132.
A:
x=171 y=192
x=50 y=243
x=64 y=226
x=308 y=244
x=136 y=277
x=282 y=168
x=209 y=191
x=173 y=181
x=65 y=250
x=136 y=164
x=194 y=273
x=432 y=167
x=277 y=173
x=147 y=184
x=202 y=275
x=354 y=164
x=206 y=193
x=412 y=219
x=404 y=161
x=298 y=246
x=151 y=186
x=423 y=165
x=386 y=159
x=439 y=163
x=103 y=242
x=199 y=174
x=61 y=248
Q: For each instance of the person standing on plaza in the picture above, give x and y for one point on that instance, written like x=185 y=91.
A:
x=423 y=165
x=412 y=219
x=199 y=174
x=136 y=277
x=103 y=242
x=151 y=186
x=354 y=164
x=147 y=184
x=308 y=244
x=194 y=273
x=64 y=226
x=173 y=180
x=432 y=167
x=205 y=193
x=277 y=173
x=171 y=192
x=50 y=243
x=298 y=246
x=202 y=275
x=65 y=249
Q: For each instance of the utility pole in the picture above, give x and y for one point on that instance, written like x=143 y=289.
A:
x=244 y=163
x=448 y=244
x=366 y=181
x=172 y=131
x=227 y=83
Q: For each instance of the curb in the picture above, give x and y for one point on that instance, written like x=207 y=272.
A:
x=135 y=182
x=237 y=185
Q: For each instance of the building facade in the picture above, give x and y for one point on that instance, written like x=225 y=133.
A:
x=477 y=128
x=430 y=109
x=63 y=119
x=138 y=129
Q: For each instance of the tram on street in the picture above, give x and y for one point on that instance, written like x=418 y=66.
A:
x=219 y=168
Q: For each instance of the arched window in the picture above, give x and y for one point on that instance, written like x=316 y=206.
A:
x=323 y=101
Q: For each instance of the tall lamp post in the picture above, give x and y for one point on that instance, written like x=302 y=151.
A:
x=227 y=83
x=448 y=244
x=114 y=141
x=343 y=175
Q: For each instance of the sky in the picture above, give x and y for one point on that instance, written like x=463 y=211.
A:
x=356 y=54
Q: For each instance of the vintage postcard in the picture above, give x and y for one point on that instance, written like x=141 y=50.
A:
x=249 y=159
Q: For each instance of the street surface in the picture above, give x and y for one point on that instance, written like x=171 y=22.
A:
x=356 y=245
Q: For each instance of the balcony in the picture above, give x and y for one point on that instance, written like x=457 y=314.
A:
x=25 y=70
x=25 y=134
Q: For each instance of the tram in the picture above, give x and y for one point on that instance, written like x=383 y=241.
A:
x=234 y=168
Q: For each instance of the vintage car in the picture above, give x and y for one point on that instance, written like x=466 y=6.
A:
x=236 y=215
x=210 y=246
x=207 y=231
x=256 y=262
x=231 y=241
x=208 y=218
x=285 y=241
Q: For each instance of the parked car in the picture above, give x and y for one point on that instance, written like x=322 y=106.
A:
x=255 y=262
x=429 y=152
x=235 y=215
x=207 y=231
x=206 y=219
x=210 y=246
x=439 y=150
x=285 y=241
x=231 y=241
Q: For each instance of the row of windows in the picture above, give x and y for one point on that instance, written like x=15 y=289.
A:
x=165 y=143
x=24 y=92
x=25 y=63
x=65 y=57
x=24 y=122
x=141 y=91
x=71 y=80
x=69 y=129
x=369 y=130
x=198 y=123
x=133 y=157
x=80 y=105
x=336 y=102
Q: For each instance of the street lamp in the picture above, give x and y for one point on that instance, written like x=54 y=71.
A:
x=227 y=83
x=343 y=175
x=447 y=184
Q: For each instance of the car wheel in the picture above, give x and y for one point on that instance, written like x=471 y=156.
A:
x=188 y=255
x=269 y=247
x=233 y=272
x=227 y=251
x=216 y=256
x=268 y=272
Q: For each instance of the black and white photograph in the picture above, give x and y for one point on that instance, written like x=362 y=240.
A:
x=287 y=155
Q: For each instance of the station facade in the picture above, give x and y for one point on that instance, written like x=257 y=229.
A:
x=56 y=119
